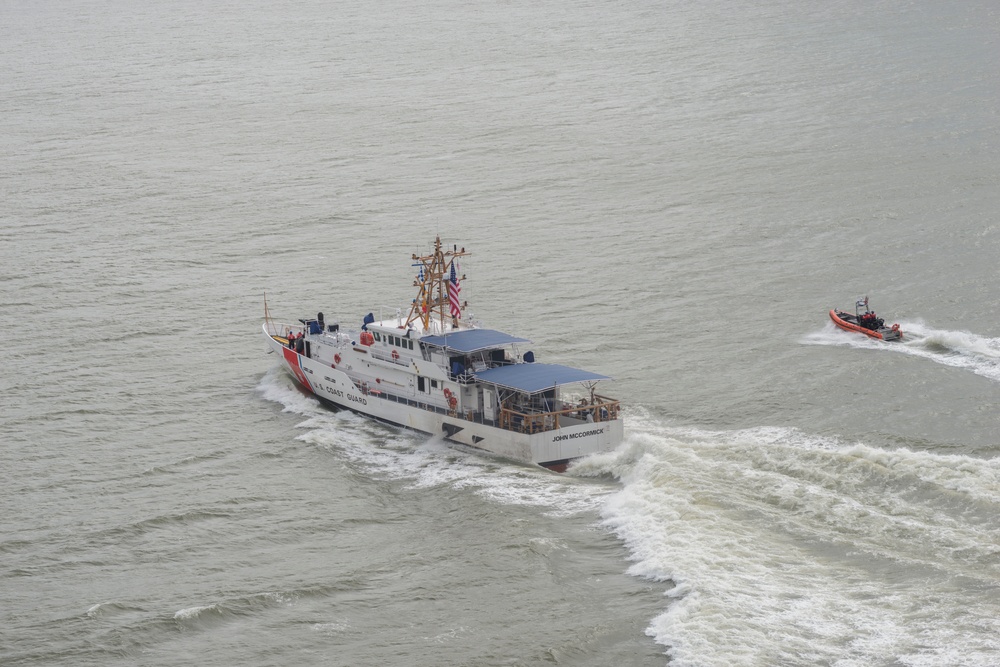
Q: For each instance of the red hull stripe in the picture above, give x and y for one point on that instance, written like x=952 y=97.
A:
x=292 y=359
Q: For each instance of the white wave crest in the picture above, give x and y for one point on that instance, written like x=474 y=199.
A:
x=394 y=453
x=782 y=547
x=194 y=612
x=959 y=349
x=789 y=549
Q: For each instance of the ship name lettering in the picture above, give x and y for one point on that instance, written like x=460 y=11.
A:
x=580 y=434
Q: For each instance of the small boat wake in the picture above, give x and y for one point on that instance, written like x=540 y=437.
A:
x=959 y=349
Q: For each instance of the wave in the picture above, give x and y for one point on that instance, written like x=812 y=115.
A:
x=784 y=548
x=104 y=609
x=775 y=546
x=192 y=613
x=959 y=349
x=422 y=461
x=138 y=627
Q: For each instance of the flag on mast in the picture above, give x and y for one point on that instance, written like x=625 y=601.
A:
x=454 y=290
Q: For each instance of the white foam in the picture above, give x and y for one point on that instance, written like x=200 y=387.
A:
x=392 y=453
x=425 y=463
x=831 y=335
x=193 y=612
x=959 y=349
x=276 y=386
x=790 y=549
x=775 y=546
x=331 y=628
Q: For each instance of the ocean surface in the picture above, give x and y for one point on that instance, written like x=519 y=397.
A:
x=671 y=193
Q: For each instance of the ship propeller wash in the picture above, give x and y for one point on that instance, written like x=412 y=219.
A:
x=434 y=372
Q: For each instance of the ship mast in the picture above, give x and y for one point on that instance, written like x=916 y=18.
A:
x=432 y=284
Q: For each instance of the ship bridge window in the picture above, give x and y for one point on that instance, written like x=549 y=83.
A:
x=378 y=336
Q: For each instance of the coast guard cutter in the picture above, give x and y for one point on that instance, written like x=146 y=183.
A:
x=434 y=372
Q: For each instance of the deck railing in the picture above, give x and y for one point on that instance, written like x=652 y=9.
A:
x=601 y=410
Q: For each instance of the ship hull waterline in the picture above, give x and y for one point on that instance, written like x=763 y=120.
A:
x=552 y=449
x=843 y=321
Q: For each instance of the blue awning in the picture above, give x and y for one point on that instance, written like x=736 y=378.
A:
x=472 y=340
x=533 y=378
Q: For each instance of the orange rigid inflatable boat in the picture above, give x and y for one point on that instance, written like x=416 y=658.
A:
x=867 y=322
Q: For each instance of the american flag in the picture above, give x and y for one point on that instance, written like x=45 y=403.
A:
x=454 y=290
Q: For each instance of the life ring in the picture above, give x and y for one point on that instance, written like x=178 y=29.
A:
x=452 y=402
x=447 y=392
x=395 y=355
x=895 y=327
x=336 y=358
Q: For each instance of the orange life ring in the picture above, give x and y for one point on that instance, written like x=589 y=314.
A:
x=336 y=358
x=395 y=355
x=452 y=402
x=447 y=392
x=895 y=327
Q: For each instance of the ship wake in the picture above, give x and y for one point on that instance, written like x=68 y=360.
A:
x=785 y=548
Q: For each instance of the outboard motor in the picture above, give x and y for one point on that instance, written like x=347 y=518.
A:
x=319 y=318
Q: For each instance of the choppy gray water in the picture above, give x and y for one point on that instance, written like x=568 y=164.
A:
x=670 y=193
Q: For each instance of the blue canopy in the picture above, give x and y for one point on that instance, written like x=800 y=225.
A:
x=472 y=340
x=533 y=378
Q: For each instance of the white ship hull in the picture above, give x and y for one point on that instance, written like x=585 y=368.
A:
x=387 y=391
x=436 y=373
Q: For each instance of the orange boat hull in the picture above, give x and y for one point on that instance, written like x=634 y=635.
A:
x=896 y=334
